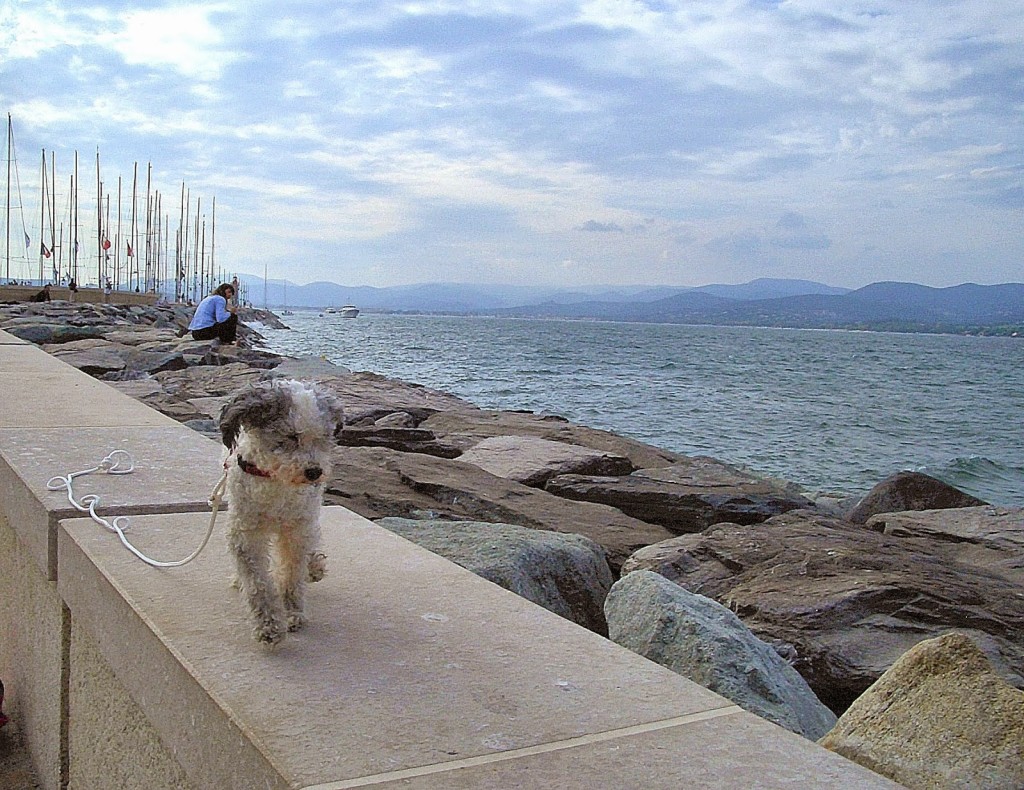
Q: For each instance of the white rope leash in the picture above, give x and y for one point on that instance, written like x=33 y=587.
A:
x=120 y=462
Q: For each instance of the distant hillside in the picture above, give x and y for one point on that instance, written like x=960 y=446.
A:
x=769 y=288
x=890 y=306
x=902 y=307
x=470 y=298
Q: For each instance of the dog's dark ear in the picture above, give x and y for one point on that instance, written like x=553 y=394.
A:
x=330 y=404
x=253 y=407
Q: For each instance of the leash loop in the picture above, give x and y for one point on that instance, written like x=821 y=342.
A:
x=120 y=462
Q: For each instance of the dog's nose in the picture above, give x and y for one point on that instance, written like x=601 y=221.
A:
x=313 y=473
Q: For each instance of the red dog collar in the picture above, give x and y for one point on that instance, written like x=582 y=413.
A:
x=251 y=469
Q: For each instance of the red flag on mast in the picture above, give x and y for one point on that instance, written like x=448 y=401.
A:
x=129 y=248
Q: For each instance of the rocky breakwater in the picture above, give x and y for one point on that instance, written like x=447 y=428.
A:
x=840 y=592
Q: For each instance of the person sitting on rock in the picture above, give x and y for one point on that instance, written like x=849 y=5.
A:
x=43 y=295
x=215 y=317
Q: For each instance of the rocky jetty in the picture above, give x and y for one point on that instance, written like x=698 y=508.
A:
x=838 y=591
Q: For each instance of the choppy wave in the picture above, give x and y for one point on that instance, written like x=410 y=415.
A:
x=977 y=475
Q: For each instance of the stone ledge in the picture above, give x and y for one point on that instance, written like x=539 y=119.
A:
x=39 y=391
x=410 y=667
x=175 y=471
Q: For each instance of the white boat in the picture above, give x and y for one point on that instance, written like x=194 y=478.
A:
x=346 y=311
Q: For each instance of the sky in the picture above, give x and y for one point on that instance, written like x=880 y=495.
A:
x=538 y=142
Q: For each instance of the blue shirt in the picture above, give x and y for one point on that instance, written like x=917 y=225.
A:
x=212 y=310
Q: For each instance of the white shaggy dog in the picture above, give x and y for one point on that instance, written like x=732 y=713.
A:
x=279 y=436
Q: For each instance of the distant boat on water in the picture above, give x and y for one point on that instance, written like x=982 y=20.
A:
x=346 y=311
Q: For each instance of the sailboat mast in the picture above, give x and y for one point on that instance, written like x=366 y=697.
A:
x=99 y=223
x=117 y=246
x=42 y=213
x=149 y=227
x=213 y=229
x=74 y=222
x=7 y=224
x=179 y=270
x=133 y=253
x=55 y=266
x=199 y=259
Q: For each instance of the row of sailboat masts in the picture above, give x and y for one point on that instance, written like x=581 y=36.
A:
x=132 y=246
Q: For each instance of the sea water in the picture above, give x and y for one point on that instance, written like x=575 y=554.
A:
x=833 y=411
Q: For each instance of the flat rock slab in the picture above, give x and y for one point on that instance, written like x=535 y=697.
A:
x=94 y=361
x=468 y=428
x=845 y=602
x=368 y=396
x=138 y=335
x=402 y=439
x=377 y=482
x=532 y=461
x=702 y=471
x=311 y=368
x=993 y=536
x=680 y=507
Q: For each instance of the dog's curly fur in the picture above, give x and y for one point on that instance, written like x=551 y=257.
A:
x=279 y=436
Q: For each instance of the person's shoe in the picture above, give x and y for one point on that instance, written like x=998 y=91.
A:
x=215 y=343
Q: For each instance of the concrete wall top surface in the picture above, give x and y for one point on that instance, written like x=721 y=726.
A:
x=410 y=667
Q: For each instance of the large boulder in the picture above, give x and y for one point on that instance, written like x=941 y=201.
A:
x=844 y=602
x=688 y=496
x=700 y=639
x=940 y=717
x=377 y=482
x=566 y=574
x=532 y=461
x=910 y=491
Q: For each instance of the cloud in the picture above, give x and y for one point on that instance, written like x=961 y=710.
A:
x=450 y=136
x=601 y=227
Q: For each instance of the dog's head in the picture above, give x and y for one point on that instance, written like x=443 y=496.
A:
x=283 y=427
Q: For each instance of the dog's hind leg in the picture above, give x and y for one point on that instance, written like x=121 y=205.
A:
x=252 y=563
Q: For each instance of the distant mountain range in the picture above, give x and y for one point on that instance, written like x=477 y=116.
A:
x=893 y=306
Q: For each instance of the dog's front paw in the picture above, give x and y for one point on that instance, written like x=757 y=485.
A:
x=317 y=566
x=269 y=631
x=296 y=620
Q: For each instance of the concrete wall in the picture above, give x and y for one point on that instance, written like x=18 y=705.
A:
x=412 y=672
